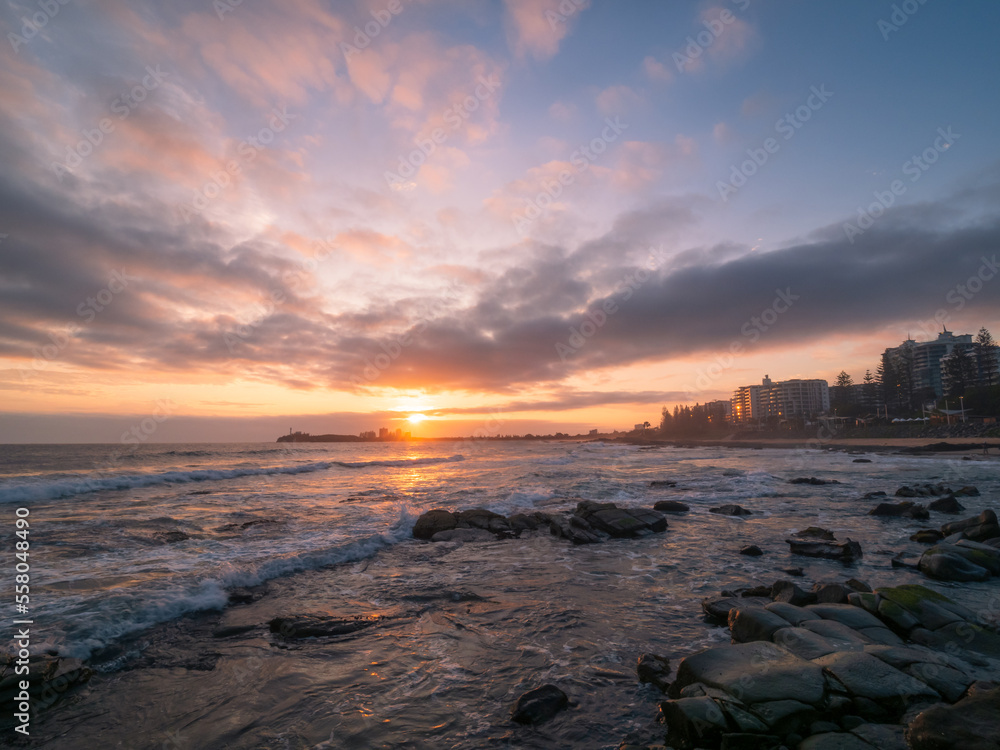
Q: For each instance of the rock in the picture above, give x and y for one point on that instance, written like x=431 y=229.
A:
x=796 y=572
x=170 y=537
x=791 y=613
x=432 y=522
x=522 y=522
x=232 y=630
x=967 y=491
x=971 y=724
x=882 y=736
x=855 y=585
x=480 y=518
x=754 y=624
x=932 y=609
x=463 y=535
x=663 y=483
x=313 y=626
x=862 y=461
x=694 y=722
x=654 y=670
x=927 y=536
x=753 y=550
x=718 y=608
x=815 y=532
x=539 y=705
x=754 y=672
x=730 y=510
x=812 y=480
x=788 y=592
x=846 y=551
x=762 y=591
x=905 y=509
x=831 y=593
x=574 y=529
x=948 y=566
x=804 y=643
x=978 y=528
x=671 y=506
x=869 y=677
x=846 y=614
x=871 y=495
x=946 y=504
x=785 y=716
x=620 y=522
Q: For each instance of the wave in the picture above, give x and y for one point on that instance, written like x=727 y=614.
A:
x=55 y=490
x=126 y=614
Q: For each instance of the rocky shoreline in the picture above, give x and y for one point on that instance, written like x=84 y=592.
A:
x=834 y=665
x=837 y=667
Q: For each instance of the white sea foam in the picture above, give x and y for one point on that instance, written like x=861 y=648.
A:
x=61 y=488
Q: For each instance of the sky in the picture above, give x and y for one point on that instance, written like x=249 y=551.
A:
x=230 y=219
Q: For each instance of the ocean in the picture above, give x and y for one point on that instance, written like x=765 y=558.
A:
x=135 y=550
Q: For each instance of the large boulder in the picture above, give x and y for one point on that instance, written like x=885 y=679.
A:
x=753 y=673
x=869 y=677
x=951 y=562
x=620 y=522
x=971 y=724
x=946 y=504
x=978 y=528
x=433 y=521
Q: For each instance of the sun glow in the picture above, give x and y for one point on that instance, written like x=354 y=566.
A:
x=416 y=418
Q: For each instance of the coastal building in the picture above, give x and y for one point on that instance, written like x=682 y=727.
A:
x=781 y=400
x=923 y=360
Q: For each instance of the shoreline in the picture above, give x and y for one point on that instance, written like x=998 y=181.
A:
x=876 y=445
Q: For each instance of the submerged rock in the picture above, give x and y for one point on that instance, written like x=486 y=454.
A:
x=752 y=550
x=812 y=480
x=730 y=510
x=671 y=506
x=946 y=504
x=927 y=536
x=905 y=509
x=846 y=551
x=318 y=626
x=539 y=705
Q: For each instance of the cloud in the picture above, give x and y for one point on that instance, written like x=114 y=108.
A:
x=657 y=71
x=536 y=27
x=616 y=100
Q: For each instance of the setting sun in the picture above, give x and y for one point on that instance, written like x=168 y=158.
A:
x=416 y=418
